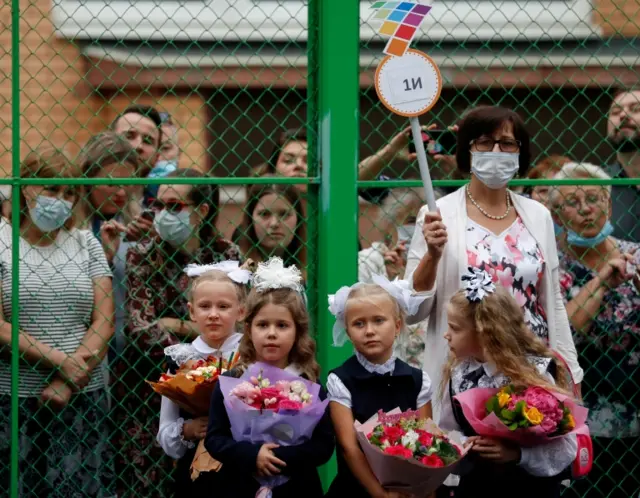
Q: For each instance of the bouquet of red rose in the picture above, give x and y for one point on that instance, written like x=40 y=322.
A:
x=406 y=453
x=192 y=385
x=526 y=415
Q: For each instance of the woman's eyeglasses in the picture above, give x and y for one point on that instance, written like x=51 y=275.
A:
x=487 y=144
x=170 y=206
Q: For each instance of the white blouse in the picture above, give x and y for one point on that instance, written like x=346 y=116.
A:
x=339 y=393
x=544 y=460
x=171 y=423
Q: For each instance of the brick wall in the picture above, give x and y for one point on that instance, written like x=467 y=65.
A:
x=55 y=104
x=618 y=17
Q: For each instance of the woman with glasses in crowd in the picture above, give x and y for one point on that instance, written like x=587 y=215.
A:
x=66 y=322
x=600 y=282
x=486 y=226
x=185 y=223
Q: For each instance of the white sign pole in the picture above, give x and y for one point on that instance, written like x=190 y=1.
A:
x=416 y=131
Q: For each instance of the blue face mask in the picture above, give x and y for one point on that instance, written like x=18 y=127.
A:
x=557 y=229
x=160 y=170
x=573 y=239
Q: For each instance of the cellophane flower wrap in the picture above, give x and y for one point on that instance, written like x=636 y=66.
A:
x=270 y=405
x=408 y=454
x=192 y=385
x=527 y=415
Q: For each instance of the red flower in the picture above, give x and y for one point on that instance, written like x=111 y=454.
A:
x=393 y=433
x=399 y=450
x=271 y=392
x=432 y=461
x=287 y=404
x=425 y=438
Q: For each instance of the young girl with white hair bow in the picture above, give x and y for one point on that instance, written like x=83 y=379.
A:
x=216 y=305
x=371 y=316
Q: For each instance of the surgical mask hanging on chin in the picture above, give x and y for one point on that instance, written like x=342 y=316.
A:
x=573 y=239
x=174 y=228
x=495 y=169
x=50 y=213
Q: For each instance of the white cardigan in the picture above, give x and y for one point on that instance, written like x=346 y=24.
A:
x=453 y=264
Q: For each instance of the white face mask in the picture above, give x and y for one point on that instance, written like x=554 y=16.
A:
x=174 y=228
x=494 y=169
x=5 y=193
x=405 y=233
x=50 y=213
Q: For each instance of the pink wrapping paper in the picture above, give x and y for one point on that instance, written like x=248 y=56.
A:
x=473 y=404
x=399 y=474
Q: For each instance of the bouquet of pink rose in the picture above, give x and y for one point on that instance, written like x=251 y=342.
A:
x=269 y=405
x=527 y=415
x=406 y=453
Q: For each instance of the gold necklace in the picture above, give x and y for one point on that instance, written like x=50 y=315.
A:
x=473 y=201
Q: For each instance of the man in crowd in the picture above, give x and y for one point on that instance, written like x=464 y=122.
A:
x=623 y=133
x=141 y=126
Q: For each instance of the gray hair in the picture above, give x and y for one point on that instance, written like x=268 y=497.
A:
x=576 y=170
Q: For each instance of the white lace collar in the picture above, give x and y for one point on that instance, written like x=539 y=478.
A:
x=294 y=369
x=230 y=345
x=198 y=349
x=386 y=368
x=467 y=376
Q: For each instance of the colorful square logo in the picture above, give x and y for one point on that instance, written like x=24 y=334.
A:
x=400 y=21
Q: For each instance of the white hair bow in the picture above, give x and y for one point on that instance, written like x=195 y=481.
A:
x=272 y=274
x=230 y=268
x=400 y=290
x=477 y=284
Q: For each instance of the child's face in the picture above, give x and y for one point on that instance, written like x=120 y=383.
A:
x=273 y=333
x=215 y=309
x=461 y=336
x=373 y=326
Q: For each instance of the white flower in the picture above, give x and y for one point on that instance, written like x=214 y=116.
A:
x=385 y=444
x=298 y=387
x=264 y=383
x=295 y=397
x=274 y=275
x=409 y=439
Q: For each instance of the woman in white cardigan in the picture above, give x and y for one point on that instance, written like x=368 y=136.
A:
x=487 y=226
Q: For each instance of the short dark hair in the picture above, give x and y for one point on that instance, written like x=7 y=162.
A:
x=146 y=111
x=485 y=121
x=201 y=193
x=297 y=135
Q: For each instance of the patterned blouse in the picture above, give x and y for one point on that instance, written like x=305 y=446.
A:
x=609 y=350
x=515 y=261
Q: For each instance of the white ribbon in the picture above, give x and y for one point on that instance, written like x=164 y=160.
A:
x=477 y=284
x=230 y=268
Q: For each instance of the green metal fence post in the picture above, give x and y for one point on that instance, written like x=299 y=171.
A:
x=339 y=139
x=15 y=242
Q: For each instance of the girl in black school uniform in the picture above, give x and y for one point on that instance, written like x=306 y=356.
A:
x=216 y=304
x=276 y=333
x=491 y=347
x=373 y=379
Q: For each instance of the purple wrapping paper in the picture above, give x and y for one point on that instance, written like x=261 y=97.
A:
x=285 y=429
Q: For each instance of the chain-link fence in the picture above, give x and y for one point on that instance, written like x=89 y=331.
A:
x=186 y=132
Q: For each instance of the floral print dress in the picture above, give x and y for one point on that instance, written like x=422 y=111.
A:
x=514 y=260
x=609 y=351
x=156 y=288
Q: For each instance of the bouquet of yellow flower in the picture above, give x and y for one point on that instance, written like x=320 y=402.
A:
x=527 y=415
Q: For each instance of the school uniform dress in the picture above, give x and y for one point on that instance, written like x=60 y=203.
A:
x=365 y=388
x=172 y=417
x=540 y=470
x=238 y=458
